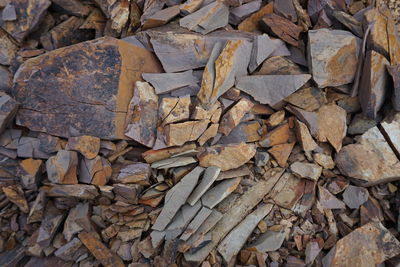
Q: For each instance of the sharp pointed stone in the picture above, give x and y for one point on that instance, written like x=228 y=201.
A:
x=282 y=28
x=167 y=82
x=196 y=223
x=271 y=89
x=329 y=201
x=263 y=47
x=234 y=115
x=209 y=176
x=219 y=192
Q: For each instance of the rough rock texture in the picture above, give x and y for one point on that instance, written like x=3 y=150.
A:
x=234 y=115
x=8 y=48
x=97 y=104
x=333 y=56
x=8 y=109
x=62 y=168
x=88 y=146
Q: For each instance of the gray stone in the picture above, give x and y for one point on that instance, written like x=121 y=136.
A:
x=49 y=226
x=391 y=129
x=167 y=82
x=269 y=241
x=69 y=250
x=37 y=210
x=78 y=220
x=196 y=223
x=161 y=17
x=62 y=168
x=176 y=197
x=5 y=79
x=306 y=170
x=8 y=13
x=207 y=19
x=395 y=73
x=219 y=192
x=234 y=241
x=355 y=196
x=80 y=191
x=173 y=162
x=209 y=176
x=360 y=124
x=261 y=158
x=237 y=14
x=8 y=109
x=271 y=89
x=128 y=193
x=329 y=201
x=285 y=8
x=263 y=47
x=182 y=220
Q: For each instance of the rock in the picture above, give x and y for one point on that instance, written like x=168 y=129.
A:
x=190 y=6
x=167 y=82
x=391 y=130
x=304 y=136
x=219 y=192
x=78 y=220
x=281 y=153
x=179 y=133
x=239 y=172
x=8 y=109
x=32 y=169
x=88 y=146
x=70 y=251
x=127 y=193
x=8 y=48
x=279 y=135
x=371 y=211
x=135 y=173
x=197 y=221
x=174 y=109
x=374 y=81
x=233 y=242
x=53 y=218
x=237 y=14
x=105 y=256
x=80 y=191
x=151 y=156
x=360 y=124
x=219 y=76
x=176 y=197
x=329 y=201
x=15 y=194
x=269 y=241
x=306 y=170
x=95 y=171
x=278 y=65
x=118 y=15
x=234 y=115
x=355 y=196
x=40 y=91
x=261 y=158
x=213 y=113
x=161 y=17
x=142 y=115
x=207 y=19
x=29 y=147
x=29 y=15
x=324 y=160
x=209 y=176
x=37 y=210
x=129 y=234
x=288 y=191
x=251 y=23
x=338 y=66
x=211 y=132
x=226 y=157
x=73 y=7
x=263 y=47
x=313 y=249
x=244 y=132
x=372 y=237
x=276 y=118
x=173 y=162
x=308 y=98
x=5 y=79
x=369 y=161
x=395 y=73
x=271 y=89
x=282 y=28
x=62 y=168
x=8 y=13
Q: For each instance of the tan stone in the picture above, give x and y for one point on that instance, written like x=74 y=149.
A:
x=324 y=160
x=213 y=113
x=308 y=98
x=226 y=156
x=88 y=146
x=15 y=194
x=281 y=153
x=276 y=118
x=306 y=170
x=179 y=133
x=151 y=156
x=62 y=168
x=250 y=24
x=211 y=131
x=304 y=136
x=234 y=115
x=279 y=135
x=288 y=191
x=173 y=109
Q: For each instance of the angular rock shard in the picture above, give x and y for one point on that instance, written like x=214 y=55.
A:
x=88 y=146
x=282 y=28
x=80 y=191
x=62 y=168
x=174 y=109
x=234 y=115
x=271 y=89
x=104 y=69
x=209 y=176
x=218 y=193
x=395 y=73
x=8 y=109
x=167 y=82
x=306 y=170
x=15 y=194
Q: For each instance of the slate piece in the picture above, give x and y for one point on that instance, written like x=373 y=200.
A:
x=219 y=192
x=209 y=176
x=167 y=82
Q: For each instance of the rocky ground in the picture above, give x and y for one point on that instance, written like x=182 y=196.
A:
x=199 y=133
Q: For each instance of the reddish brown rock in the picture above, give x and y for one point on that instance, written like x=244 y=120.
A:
x=62 y=168
x=151 y=156
x=279 y=135
x=251 y=23
x=99 y=76
x=15 y=194
x=234 y=115
x=80 y=191
x=281 y=153
x=282 y=28
x=227 y=157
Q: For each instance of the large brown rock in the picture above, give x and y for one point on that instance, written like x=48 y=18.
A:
x=82 y=89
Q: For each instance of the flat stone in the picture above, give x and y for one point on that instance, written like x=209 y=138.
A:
x=271 y=89
x=279 y=65
x=360 y=124
x=261 y=158
x=226 y=157
x=355 y=196
x=263 y=47
x=151 y=156
x=374 y=81
x=324 y=160
x=391 y=129
x=32 y=169
x=306 y=170
x=213 y=113
x=129 y=234
x=219 y=192
x=118 y=15
x=43 y=97
x=8 y=48
x=309 y=98
x=179 y=133
x=329 y=201
x=371 y=160
x=368 y=245
x=234 y=115
x=219 y=76
x=142 y=115
x=8 y=13
x=304 y=137
x=281 y=153
x=69 y=251
x=333 y=56
x=174 y=109
x=395 y=73
x=288 y=191
x=29 y=15
x=53 y=218
x=37 y=210
x=237 y=14
x=29 y=147
x=207 y=19
x=5 y=78
x=276 y=118
x=211 y=132
x=279 y=135
x=127 y=193
x=247 y=132
x=88 y=146
x=135 y=173
x=191 y=6
x=251 y=23
x=167 y=82
x=197 y=221
x=161 y=17
x=95 y=171
x=104 y=255
x=8 y=109
x=313 y=248
x=269 y=241
x=234 y=241
x=80 y=191
x=15 y=194
x=78 y=220
x=73 y=7
x=62 y=168
x=282 y=28
x=173 y=162
x=176 y=197
x=209 y=176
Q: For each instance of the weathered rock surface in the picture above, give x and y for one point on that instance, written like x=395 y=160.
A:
x=8 y=109
x=391 y=130
x=196 y=223
x=306 y=170
x=304 y=137
x=209 y=176
x=15 y=194
x=226 y=157
x=234 y=115
x=271 y=89
x=263 y=47
x=62 y=168
x=137 y=172
x=43 y=94
x=333 y=56
x=281 y=153
x=88 y=146
x=167 y=82
x=269 y=241
x=95 y=171
x=179 y=133
x=174 y=109
x=395 y=73
x=355 y=196
x=48 y=228
x=282 y=28
x=219 y=192
x=308 y=98
x=329 y=201
x=8 y=48
x=251 y=23
x=288 y=191
x=80 y=191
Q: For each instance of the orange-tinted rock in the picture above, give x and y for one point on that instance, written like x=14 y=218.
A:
x=309 y=98
x=251 y=23
x=279 y=135
x=15 y=194
x=244 y=132
x=151 y=156
x=142 y=114
x=173 y=109
x=226 y=156
x=213 y=113
x=288 y=191
x=95 y=171
x=161 y=17
x=281 y=153
x=32 y=168
x=211 y=131
x=234 y=115
x=104 y=255
x=82 y=89
x=179 y=133
x=88 y=146
x=282 y=28
x=304 y=136
x=62 y=168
